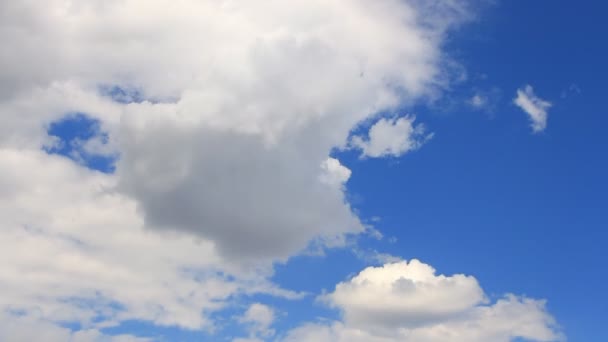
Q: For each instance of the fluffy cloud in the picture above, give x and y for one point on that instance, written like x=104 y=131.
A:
x=223 y=115
x=409 y=302
x=392 y=137
x=74 y=250
x=257 y=318
x=225 y=112
x=535 y=107
x=402 y=293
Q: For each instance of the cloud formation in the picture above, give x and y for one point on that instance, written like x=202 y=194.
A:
x=257 y=318
x=73 y=250
x=392 y=137
x=534 y=106
x=26 y=328
x=409 y=302
x=223 y=116
x=224 y=113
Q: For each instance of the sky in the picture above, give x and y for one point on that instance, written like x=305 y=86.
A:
x=395 y=170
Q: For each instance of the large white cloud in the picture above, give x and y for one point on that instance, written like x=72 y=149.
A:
x=245 y=102
x=409 y=302
x=74 y=250
x=239 y=105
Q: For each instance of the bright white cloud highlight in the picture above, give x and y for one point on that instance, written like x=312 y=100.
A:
x=334 y=173
x=409 y=302
x=392 y=137
x=534 y=106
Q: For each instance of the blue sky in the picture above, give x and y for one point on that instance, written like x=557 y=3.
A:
x=468 y=138
x=524 y=213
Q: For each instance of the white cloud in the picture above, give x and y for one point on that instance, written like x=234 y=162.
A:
x=244 y=104
x=478 y=101
x=257 y=318
x=74 y=250
x=402 y=293
x=535 y=107
x=231 y=149
x=392 y=137
x=26 y=328
x=334 y=173
x=485 y=100
x=247 y=339
x=409 y=302
x=246 y=101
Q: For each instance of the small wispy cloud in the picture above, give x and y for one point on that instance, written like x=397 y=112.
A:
x=484 y=100
x=572 y=90
x=535 y=107
x=478 y=101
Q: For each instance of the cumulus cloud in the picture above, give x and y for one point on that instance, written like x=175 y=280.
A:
x=224 y=113
x=409 y=302
x=534 y=106
x=74 y=250
x=257 y=318
x=392 y=137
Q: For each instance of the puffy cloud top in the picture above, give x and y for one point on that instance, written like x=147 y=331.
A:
x=404 y=301
x=404 y=293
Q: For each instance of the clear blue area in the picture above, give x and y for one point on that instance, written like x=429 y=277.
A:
x=72 y=131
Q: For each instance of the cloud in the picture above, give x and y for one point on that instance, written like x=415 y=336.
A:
x=258 y=318
x=572 y=90
x=25 y=328
x=74 y=250
x=241 y=339
x=225 y=123
x=392 y=137
x=535 y=107
x=224 y=113
x=409 y=302
x=485 y=100
x=478 y=101
x=334 y=173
